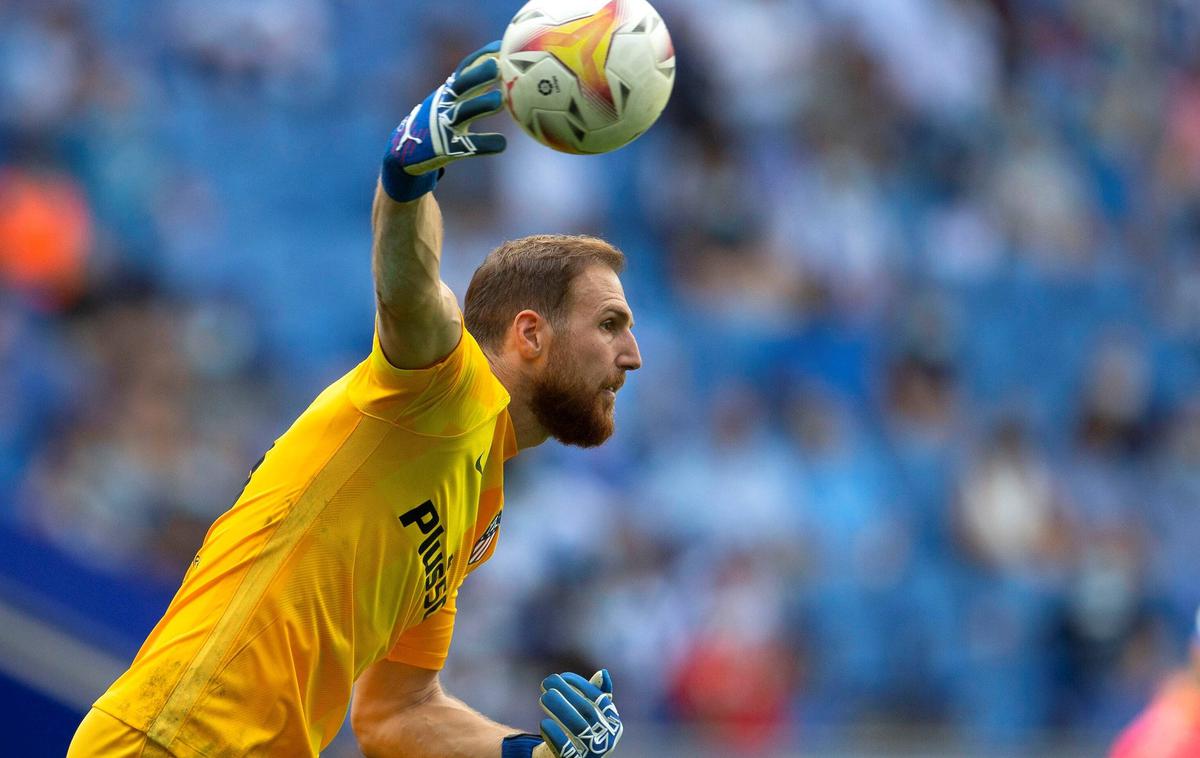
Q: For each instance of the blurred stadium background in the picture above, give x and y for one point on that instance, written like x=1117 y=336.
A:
x=913 y=467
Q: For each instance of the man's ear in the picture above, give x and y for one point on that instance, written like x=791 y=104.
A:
x=532 y=334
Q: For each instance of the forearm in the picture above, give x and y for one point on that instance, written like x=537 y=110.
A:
x=439 y=727
x=406 y=251
x=419 y=321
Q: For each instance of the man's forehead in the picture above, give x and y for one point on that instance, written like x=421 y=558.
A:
x=598 y=286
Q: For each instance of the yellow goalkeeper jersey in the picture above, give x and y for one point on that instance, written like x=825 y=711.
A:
x=348 y=544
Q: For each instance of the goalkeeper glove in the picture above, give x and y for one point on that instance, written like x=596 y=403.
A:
x=435 y=132
x=582 y=723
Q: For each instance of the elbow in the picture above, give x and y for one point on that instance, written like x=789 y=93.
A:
x=365 y=722
x=385 y=712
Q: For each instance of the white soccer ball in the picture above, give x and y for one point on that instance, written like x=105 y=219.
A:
x=586 y=76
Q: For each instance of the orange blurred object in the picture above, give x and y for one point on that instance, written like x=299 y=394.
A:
x=46 y=235
x=1170 y=725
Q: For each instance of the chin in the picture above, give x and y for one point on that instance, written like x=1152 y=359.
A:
x=592 y=433
x=574 y=418
x=591 y=439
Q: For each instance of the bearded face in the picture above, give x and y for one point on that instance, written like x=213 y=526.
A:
x=571 y=404
x=573 y=391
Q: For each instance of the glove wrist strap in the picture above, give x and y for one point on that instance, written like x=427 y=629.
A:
x=519 y=745
x=402 y=186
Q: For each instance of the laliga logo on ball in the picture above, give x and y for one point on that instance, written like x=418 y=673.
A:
x=586 y=76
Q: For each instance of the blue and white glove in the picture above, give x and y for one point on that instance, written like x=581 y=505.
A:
x=583 y=722
x=435 y=132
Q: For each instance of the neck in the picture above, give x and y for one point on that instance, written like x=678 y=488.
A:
x=529 y=432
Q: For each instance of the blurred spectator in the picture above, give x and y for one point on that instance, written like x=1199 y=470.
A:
x=734 y=679
x=1008 y=517
x=1115 y=420
x=43 y=65
x=280 y=46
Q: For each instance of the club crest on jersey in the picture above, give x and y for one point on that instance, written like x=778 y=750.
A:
x=485 y=540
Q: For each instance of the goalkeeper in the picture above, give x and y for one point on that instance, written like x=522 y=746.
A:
x=339 y=565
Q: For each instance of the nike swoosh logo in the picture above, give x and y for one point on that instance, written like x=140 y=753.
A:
x=479 y=463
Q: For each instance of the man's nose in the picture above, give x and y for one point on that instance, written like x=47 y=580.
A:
x=630 y=358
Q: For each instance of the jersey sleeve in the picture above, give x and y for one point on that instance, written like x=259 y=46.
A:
x=427 y=644
x=452 y=396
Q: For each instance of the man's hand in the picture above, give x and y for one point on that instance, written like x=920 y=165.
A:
x=583 y=722
x=435 y=132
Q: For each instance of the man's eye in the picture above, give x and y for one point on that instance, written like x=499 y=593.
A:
x=608 y=325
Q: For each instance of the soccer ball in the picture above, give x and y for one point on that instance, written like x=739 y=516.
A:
x=586 y=76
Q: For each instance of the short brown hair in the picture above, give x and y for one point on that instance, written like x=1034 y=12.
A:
x=532 y=273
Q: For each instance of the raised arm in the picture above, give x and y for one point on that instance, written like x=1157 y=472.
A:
x=418 y=316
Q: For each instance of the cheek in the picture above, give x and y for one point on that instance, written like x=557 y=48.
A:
x=602 y=351
x=600 y=365
x=587 y=357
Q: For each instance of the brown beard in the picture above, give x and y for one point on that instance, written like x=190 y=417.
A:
x=569 y=409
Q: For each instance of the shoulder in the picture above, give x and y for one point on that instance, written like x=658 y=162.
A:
x=454 y=395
